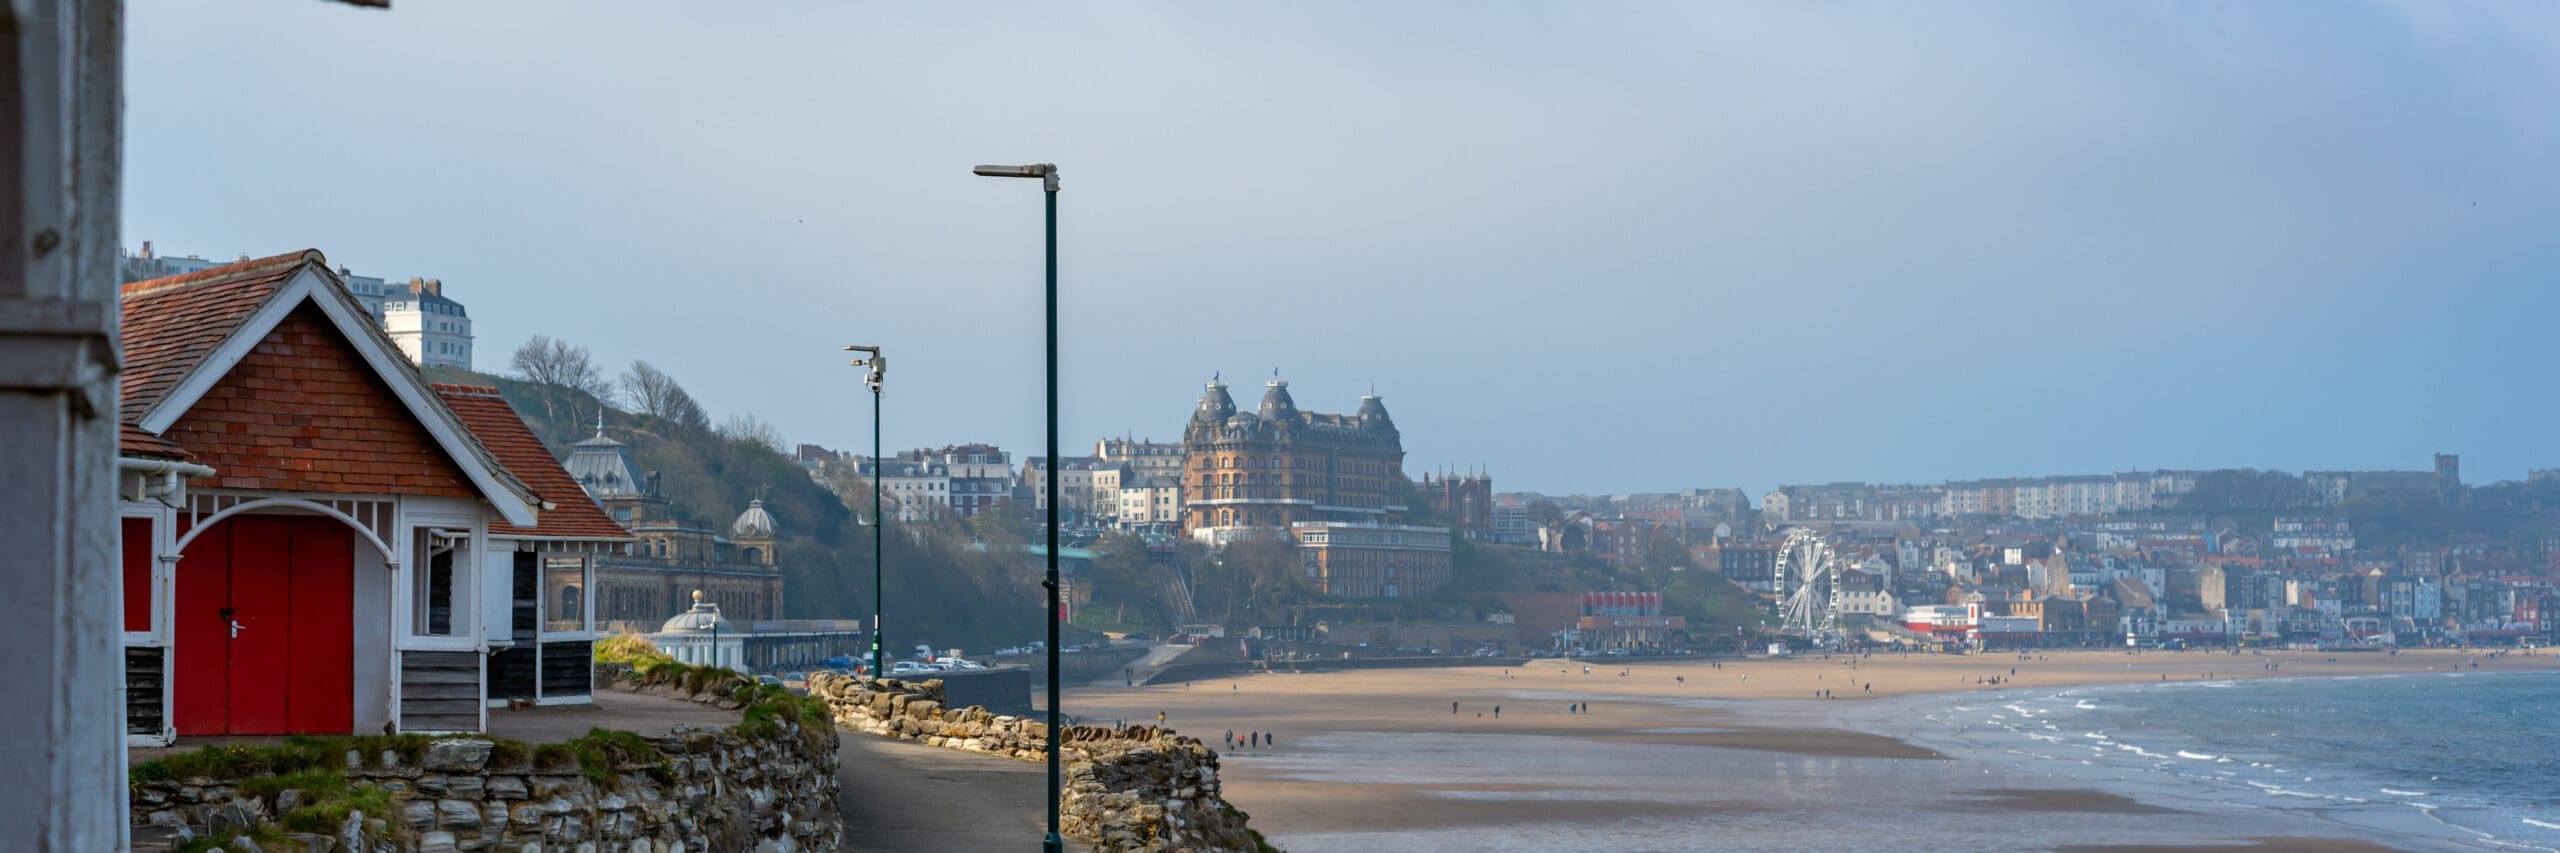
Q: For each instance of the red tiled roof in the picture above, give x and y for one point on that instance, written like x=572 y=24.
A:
x=573 y=514
x=171 y=324
x=132 y=441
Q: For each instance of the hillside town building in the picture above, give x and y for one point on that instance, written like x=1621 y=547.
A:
x=1369 y=560
x=671 y=559
x=1463 y=500
x=1276 y=466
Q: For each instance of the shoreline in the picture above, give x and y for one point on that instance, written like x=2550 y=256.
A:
x=1375 y=758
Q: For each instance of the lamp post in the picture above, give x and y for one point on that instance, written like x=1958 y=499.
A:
x=1048 y=175
x=879 y=523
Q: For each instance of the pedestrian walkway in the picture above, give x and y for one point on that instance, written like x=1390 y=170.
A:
x=902 y=796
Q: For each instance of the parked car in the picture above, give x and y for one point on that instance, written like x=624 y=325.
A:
x=767 y=679
x=907 y=667
x=967 y=664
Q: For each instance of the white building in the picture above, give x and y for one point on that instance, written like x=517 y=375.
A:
x=1147 y=500
x=434 y=331
x=1163 y=459
x=1075 y=489
x=702 y=637
x=917 y=490
x=1106 y=492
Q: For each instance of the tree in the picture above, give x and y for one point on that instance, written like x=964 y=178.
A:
x=1545 y=513
x=551 y=361
x=657 y=395
x=752 y=430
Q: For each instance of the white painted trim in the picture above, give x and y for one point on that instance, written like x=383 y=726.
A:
x=353 y=323
x=208 y=522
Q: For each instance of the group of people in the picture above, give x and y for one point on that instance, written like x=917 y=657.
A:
x=1255 y=740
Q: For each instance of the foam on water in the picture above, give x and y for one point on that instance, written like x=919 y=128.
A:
x=2312 y=746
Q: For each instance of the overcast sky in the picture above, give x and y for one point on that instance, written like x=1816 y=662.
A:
x=1594 y=246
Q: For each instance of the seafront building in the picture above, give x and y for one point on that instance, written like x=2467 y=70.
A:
x=289 y=468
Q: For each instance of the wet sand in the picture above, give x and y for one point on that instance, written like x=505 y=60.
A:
x=1668 y=746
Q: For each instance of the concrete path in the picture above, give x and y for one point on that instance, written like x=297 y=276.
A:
x=1145 y=667
x=903 y=796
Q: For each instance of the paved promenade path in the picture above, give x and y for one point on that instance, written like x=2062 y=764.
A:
x=902 y=796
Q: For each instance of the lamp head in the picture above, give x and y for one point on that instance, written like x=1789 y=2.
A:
x=1046 y=172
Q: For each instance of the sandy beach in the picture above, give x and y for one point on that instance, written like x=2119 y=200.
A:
x=1379 y=756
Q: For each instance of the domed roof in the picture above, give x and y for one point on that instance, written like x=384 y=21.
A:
x=1215 y=405
x=704 y=618
x=1276 y=405
x=755 y=523
x=1372 y=407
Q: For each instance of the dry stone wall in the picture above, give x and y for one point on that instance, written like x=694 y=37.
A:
x=713 y=791
x=1138 y=788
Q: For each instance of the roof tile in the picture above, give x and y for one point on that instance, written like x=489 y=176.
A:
x=504 y=433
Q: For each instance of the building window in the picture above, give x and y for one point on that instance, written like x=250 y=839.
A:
x=568 y=578
x=435 y=598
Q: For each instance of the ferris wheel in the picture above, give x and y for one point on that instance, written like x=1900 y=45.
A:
x=1811 y=569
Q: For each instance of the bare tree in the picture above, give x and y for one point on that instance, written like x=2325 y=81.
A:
x=657 y=395
x=747 y=427
x=550 y=361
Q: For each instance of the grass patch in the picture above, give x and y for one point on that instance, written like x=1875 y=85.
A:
x=330 y=810
x=771 y=711
x=264 y=835
x=602 y=753
x=626 y=648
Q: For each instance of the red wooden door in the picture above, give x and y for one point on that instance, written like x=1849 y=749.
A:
x=200 y=654
x=320 y=666
x=265 y=634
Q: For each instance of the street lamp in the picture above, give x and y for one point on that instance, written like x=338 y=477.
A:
x=1048 y=175
x=879 y=525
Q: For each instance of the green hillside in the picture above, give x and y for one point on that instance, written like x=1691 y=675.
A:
x=939 y=590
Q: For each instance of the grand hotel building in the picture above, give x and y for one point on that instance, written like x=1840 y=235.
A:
x=1331 y=481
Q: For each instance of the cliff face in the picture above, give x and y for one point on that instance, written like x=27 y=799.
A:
x=1139 y=788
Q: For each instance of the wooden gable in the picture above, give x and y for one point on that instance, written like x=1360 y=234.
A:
x=303 y=412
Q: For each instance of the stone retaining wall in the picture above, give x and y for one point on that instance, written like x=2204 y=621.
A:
x=1139 y=788
x=715 y=791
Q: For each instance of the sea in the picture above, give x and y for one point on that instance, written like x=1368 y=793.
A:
x=2426 y=761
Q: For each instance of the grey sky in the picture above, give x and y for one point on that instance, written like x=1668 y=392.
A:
x=1601 y=247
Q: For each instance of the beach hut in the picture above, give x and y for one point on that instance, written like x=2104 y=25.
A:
x=308 y=527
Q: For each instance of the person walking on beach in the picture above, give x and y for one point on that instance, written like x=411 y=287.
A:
x=1269 y=741
x=1159 y=718
x=1453 y=709
x=1497 y=712
x=1257 y=739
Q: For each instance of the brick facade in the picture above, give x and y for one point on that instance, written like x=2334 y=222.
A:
x=303 y=412
x=1277 y=466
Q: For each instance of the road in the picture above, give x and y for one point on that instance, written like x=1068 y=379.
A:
x=902 y=796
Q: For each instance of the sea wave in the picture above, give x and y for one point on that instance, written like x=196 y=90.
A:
x=2399 y=793
x=2542 y=824
x=2196 y=756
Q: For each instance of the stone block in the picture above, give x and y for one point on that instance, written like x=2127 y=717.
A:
x=419 y=815
x=457 y=755
x=458 y=814
x=507 y=788
x=465 y=787
x=438 y=841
